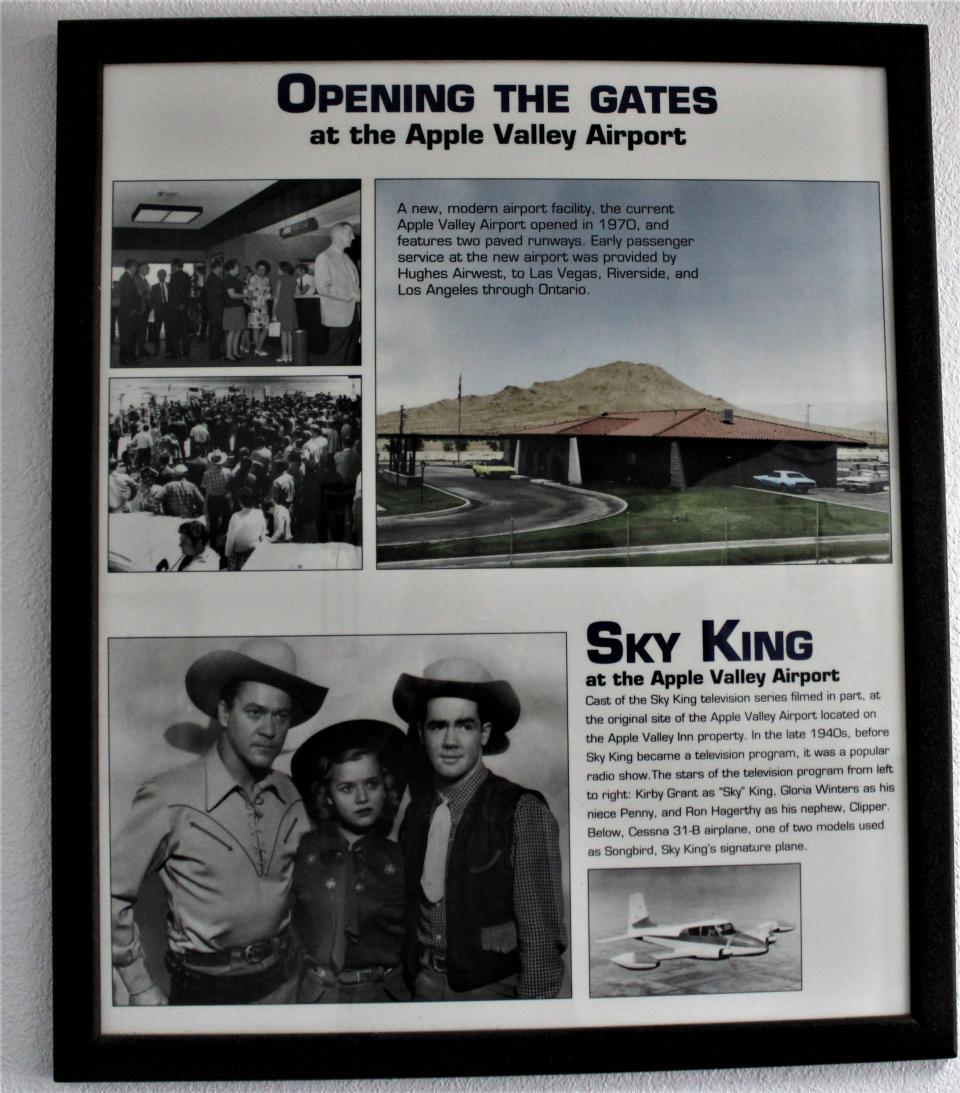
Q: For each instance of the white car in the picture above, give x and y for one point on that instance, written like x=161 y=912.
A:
x=863 y=483
x=793 y=481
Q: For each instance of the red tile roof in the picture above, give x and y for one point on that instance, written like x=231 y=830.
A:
x=700 y=424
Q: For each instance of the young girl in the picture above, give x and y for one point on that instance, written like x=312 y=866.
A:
x=348 y=886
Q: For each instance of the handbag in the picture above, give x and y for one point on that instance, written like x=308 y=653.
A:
x=273 y=329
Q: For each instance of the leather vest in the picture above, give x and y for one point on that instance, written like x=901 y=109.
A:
x=481 y=930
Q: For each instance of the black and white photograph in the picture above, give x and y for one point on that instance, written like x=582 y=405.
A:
x=338 y=819
x=719 y=929
x=265 y=271
x=248 y=473
x=630 y=373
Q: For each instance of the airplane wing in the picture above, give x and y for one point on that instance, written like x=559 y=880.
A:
x=666 y=950
x=633 y=935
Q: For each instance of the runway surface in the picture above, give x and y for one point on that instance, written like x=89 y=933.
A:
x=492 y=504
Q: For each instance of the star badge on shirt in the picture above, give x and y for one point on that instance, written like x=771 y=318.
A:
x=331 y=882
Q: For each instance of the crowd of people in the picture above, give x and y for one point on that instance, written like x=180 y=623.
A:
x=239 y=471
x=234 y=308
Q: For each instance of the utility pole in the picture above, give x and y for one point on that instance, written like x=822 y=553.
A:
x=400 y=448
x=459 y=415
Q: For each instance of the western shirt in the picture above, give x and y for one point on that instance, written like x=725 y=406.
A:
x=224 y=858
x=348 y=900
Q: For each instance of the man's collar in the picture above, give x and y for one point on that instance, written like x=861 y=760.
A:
x=220 y=783
x=459 y=795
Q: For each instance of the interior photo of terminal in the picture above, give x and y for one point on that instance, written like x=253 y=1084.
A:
x=218 y=272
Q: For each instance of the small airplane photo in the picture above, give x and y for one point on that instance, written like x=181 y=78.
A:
x=708 y=939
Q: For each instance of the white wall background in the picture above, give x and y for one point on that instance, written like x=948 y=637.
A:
x=28 y=115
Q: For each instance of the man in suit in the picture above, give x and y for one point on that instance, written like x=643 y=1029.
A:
x=128 y=313
x=143 y=290
x=178 y=342
x=158 y=305
x=213 y=293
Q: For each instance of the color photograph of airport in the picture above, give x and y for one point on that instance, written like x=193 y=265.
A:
x=735 y=417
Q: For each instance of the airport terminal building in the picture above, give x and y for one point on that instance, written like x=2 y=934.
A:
x=673 y=449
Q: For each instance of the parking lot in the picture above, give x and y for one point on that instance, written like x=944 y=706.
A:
x=875 y=502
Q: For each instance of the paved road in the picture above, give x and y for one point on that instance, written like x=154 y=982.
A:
x=491 y=505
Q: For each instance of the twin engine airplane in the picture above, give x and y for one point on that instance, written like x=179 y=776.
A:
x=708 y=939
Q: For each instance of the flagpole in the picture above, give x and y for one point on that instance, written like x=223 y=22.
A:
x=459 y=414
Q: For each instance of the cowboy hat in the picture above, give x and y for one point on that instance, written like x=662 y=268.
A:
x=386 y=741
x=259 y=660
x=457 y=677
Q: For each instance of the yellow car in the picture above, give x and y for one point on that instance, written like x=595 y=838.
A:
x=493 y=468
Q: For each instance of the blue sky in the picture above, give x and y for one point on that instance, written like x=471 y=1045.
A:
x=787 y=311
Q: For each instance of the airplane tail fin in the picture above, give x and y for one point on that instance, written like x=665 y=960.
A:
x=637 y=912
x=765 y=931
x=637 y=919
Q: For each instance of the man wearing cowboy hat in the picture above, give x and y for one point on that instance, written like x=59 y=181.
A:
x=484 y=900
x=216 y=493
x=222 y=832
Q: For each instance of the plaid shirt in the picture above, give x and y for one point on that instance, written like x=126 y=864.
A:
x=537 y=891
x=182 y=498
x=216 y=480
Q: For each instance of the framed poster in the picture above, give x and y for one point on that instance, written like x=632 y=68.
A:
x=649 y=300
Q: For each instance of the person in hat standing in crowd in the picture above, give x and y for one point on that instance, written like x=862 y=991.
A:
x=484 y=901
x=180 y=496
x=216 y=494
x=348 y=887
x=222 y=832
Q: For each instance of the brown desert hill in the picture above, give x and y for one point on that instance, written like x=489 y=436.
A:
x=621 y=385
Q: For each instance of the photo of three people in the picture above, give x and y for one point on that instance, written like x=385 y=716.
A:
x=412 y=853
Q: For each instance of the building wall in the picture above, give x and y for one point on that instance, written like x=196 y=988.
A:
x=733 y=463
x=645 y=461
x=29 y=78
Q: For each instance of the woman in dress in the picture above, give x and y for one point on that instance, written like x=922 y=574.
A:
x=285 y=311
x=232 y=309
x=259 y=296
x=348 y=886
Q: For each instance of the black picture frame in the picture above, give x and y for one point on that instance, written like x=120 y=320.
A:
x=929 y=1028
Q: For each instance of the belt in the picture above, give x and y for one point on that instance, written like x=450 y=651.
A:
x=266 y=951
x=376 y=973
x=192 y=987
x=430 y=958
